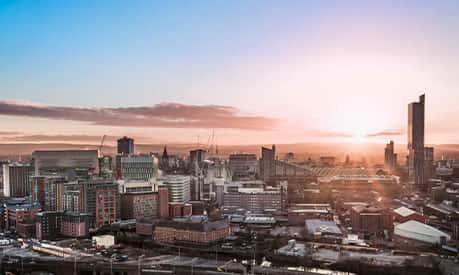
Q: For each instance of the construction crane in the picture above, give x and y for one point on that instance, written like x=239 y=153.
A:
x=102 y=145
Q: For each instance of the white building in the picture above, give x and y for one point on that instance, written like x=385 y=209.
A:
x=420 y=232
x=134 y=186
x=104 y=240
x=16 y=179
x=178 y=187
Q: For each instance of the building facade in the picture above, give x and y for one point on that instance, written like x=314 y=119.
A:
x=16 y=179
x=137 y=167
x=192 y=230
x=178 y=187
x=243 y=166
x=125 y=146
x=390 y=157
x=416 y=117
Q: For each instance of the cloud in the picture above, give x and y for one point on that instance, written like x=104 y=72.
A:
x=164 y=115
x=331 y=134
x=55 y=138
x=9 y=133
x=89 y=139
x=385 y=133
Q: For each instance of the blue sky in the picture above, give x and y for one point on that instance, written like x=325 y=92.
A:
x=290 y=60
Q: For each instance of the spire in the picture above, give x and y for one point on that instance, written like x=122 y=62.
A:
x=165 y=152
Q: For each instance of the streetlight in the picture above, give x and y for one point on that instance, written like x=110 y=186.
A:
x=74 y=264
x=111 y=264
x=140 y=257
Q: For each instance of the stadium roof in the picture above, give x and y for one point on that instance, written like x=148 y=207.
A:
x=421 y=228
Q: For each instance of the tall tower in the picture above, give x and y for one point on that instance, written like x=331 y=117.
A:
x=416 y=118
x=390 y=158
x=125 y=146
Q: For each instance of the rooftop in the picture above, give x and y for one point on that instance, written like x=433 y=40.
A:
x=404 y=211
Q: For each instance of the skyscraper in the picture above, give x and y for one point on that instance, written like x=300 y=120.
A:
x=125 y=146
x=416 y=117
x=390 y=158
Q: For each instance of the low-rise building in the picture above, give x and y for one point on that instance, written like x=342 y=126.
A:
x=322 y=228
x=104 y=241
x=298 y=213
x=404 y=214
x=370 y=220
x=195 y=229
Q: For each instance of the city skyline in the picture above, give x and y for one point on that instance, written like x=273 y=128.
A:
x=252 y=72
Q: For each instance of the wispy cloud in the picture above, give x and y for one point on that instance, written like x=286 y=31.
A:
x=385 y=133
x=9 y=133
x=164 y=115
x=90 y=139
x=322 y=134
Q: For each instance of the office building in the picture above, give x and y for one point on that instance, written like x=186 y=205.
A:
x=178 y=187
x=243 y=166
x=48 y=192
x=137 y=167
x=267 y=162
x=390 y=157
x=125 y=146
x=16 y=179
x=70 y=163
x=416 y=118
x=256 y=199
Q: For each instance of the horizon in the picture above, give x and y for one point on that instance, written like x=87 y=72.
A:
x=252 y=73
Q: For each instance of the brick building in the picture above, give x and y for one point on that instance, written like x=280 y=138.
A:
x=195 y=229
x=403 y=214
x=370 y=220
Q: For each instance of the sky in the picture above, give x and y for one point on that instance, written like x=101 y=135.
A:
x=249 y=71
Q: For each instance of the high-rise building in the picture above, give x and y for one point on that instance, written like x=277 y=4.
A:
x=137 y=167
x=99 y=198
x=48 y=192
x=196 y=159
x=390 y=157
x=267 y=162
x=243 y=166
x=178 y=187
x=416 y=118
x=125 y=146
x=429 y=165
x=16 y=179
